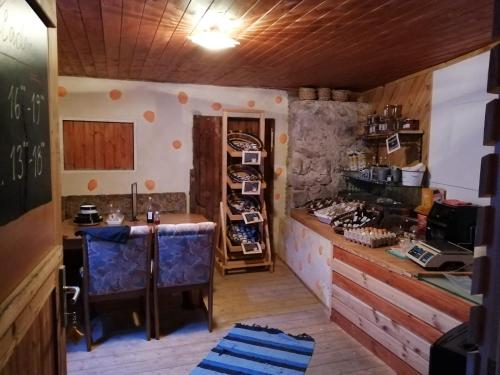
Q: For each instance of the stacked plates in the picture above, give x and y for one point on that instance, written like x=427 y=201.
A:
x=244 y=142
x=87 y=215
x=242 y=203
x=239 y=173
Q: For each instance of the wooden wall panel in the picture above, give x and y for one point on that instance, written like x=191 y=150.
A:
x=415 y=95
x=98 y=145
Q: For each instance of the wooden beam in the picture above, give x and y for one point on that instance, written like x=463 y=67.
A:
x=442 y=301
x=393 y=312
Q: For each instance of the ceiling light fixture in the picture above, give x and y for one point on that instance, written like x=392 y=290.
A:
x=215 y=32
x=214 y=40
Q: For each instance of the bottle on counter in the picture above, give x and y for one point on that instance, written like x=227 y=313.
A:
x=150 y=212
x=157 y=218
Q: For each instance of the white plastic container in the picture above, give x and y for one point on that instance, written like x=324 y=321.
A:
x=412 y=178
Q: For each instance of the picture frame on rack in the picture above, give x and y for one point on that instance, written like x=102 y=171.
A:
x=251 y=157
x=393 y=143
x=252 y=217
x=251 y=188
x=251 y=248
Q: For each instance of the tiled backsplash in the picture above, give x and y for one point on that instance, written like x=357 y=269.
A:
x=163 y=202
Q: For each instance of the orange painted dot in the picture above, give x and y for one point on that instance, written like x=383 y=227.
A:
x=61 y=91
x=251 y=103
x=115 y=94
x=277 y=196
x=216 y=106
x=278 y=171
x=283 y=138
x=150 y=184
x=177 y=144
x=182 y=97
x=92 y=185
x=149 y=116
x=278 y=99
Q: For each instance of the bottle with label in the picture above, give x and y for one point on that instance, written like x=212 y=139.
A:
x=150 y=212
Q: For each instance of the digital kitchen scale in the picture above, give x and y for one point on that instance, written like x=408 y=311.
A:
x=439 y=254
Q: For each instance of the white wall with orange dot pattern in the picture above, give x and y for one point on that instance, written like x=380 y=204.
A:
x=163 y=118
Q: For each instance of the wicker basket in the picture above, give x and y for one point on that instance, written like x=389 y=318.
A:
x=324 y=93
x=307 y=93
x=340 y=95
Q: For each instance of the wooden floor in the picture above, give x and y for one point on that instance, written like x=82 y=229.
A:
x=277 y=299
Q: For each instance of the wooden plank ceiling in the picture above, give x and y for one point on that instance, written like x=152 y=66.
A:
x=284 y=43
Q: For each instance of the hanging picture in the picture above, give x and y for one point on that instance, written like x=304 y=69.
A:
x=250 y=188
x=251 y=157
x=252 y=217
x=393 y=143
x=251 y=248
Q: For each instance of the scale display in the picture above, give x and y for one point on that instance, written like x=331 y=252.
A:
x=25 y=176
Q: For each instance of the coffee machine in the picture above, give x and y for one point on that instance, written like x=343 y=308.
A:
x=449 y=240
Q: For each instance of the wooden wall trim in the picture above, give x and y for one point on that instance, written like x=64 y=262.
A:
x=443 y=301
x=401 y=351
x=400 y=366
x=21 y=307
x=407 y=338
x=393 y=312
x=423 y=311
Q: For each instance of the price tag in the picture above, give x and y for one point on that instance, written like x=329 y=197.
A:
x=251 y=188
x=251 y=157
x=252 y=217
x=251 y=248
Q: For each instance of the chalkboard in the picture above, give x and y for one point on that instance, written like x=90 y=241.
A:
x=25 y=178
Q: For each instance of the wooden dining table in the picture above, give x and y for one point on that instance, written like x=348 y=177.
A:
x=72 y=242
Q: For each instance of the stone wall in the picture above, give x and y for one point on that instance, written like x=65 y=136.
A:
x=320 y=135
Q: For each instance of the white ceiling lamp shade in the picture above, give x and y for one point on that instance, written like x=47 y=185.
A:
x=213 y=40
x=215 y=33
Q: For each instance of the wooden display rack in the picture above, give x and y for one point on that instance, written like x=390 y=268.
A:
x=230 y=258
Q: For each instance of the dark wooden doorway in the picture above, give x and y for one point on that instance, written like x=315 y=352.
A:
x=205 y=186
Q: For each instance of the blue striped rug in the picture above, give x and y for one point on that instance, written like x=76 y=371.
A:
x=258 y=350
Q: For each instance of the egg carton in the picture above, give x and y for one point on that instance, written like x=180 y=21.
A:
x=371 y=237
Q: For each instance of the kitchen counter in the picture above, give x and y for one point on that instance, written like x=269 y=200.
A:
x=377 y=255
x=375 y=297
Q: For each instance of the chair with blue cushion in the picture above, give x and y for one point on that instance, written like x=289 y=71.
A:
x=114 y=270
x=184 y=261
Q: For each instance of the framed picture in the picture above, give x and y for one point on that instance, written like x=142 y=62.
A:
x=393 y=143
x=252 y=217
x=251 y=188
x=251 y=248
x=251 y=157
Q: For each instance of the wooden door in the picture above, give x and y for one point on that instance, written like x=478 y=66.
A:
x=205 y=189
x=31 y=325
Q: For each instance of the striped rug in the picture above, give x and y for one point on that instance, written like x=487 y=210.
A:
x=258 y=350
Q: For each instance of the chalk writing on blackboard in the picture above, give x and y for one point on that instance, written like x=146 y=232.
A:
x=25 y=175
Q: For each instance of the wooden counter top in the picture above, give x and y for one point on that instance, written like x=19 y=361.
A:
x=378 y=255
x=69 y=228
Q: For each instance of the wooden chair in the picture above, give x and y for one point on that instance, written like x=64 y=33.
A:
x=113 y=270
x=184 y=260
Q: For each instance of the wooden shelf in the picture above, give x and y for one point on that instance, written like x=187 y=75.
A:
x=238 y=185
x=379 y=136
x=237 y=154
